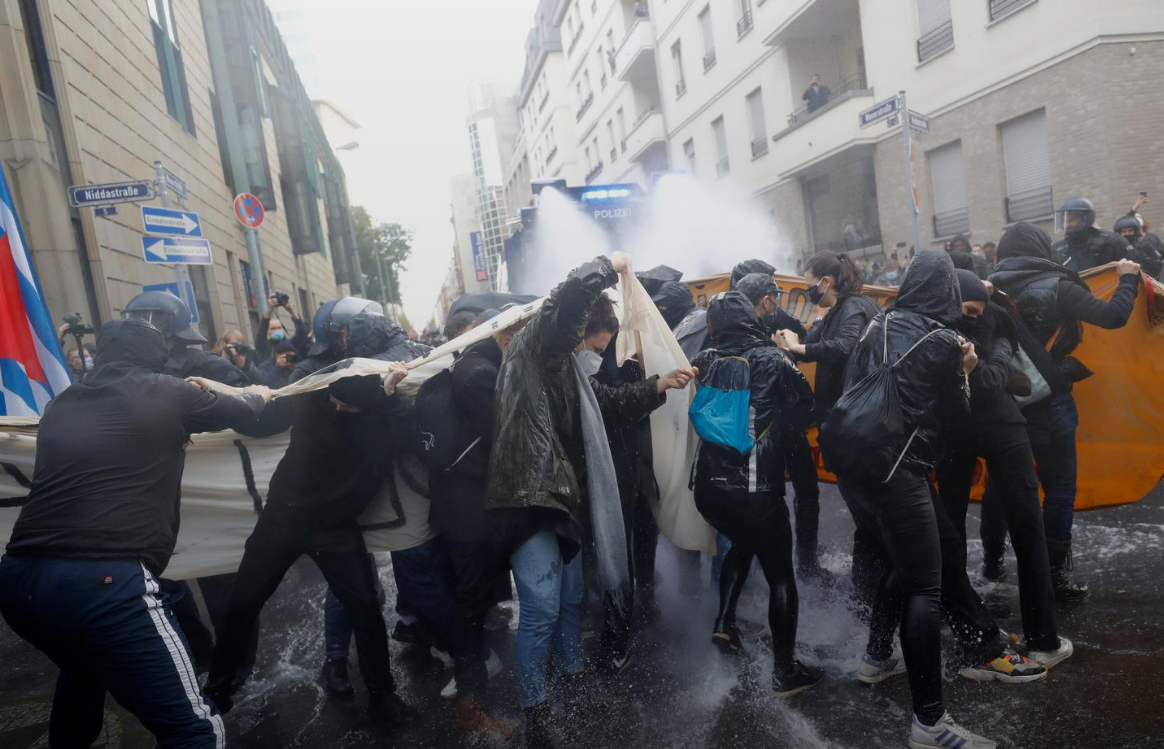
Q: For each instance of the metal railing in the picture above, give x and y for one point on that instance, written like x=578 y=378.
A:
x=593 y=172
x=545 y=100
x=574 y=41
x=585 y=105
x=643 y=115
x=1030 y=205
x=680 y=87
x=602 y=82
x=841 y=87
x=622 y=145
x=709 y=60
x=550 y=156
x=1003 y=8
x=933 y=43
x=744 y=25
x=952 y=222
x=613 y=155
x=723 y=167
x=760 y=146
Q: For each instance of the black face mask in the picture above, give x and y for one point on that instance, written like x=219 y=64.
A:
x=968 y=326
x=815 y=295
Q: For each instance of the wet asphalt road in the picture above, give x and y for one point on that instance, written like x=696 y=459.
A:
x=681 y=693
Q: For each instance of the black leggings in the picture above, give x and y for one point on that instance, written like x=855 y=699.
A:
x=758 y=526
x=801 y=466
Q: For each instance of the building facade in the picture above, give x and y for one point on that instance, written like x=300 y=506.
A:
x=96 y=93
x=493 y=136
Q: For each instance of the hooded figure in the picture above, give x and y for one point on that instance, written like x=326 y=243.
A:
x=674 y=302
x=963 y=258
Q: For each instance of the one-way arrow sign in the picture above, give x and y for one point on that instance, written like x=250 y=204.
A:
x=177 y=250
x=167 y=221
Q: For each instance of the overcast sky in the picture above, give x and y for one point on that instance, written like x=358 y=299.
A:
x=402 y=69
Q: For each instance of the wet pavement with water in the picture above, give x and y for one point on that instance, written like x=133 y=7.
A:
x=680 y=692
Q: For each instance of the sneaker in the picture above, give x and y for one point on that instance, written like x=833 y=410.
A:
x=1050 y=658
x=946 y=734
x=726 y=637
x=874 y=672
x=492 y=668
x=1010 y=667
x=621 y=661
x=335 y=678
x=440 y=655
x=800 y=680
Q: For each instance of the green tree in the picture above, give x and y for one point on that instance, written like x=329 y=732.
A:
x=384 y=249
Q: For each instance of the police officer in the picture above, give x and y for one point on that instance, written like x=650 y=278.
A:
x=171 y=316
x=1147 y=253
x=1086 y=246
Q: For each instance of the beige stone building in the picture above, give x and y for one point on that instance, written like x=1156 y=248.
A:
x=96 y=92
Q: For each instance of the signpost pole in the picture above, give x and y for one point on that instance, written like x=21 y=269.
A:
x=903 y=115
x=259 y=276
x=164 y=195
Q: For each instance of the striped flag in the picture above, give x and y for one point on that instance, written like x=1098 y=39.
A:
x=32 y=368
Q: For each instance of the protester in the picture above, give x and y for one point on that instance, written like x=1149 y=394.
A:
x=80 y=580
x=459 y=324
x=1052 y=302
x=687 y=320
x=271 y=331
x=997 y=432
x=964 y=256
x=1086 y=246
x=834 y=285
x=990 y=252
x=171 y=316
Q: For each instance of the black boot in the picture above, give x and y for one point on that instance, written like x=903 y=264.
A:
x=726 y=637
x=993 y=568
x=1065 y=588
x=220 y=690
x=539 y=728
x=335 y=678
x=387 y=707
x=796 y=679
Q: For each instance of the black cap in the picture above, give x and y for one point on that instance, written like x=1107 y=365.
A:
x=756 y=286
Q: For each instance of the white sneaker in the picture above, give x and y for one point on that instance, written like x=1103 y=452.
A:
x=440 y=655
x=1051 y=658
x=874 y=672
x=946 y=734
x=492 y=668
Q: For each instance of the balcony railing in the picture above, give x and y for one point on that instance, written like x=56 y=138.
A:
x=602 y=82
x=744 y=25
x=723 y=167
x=613 y=155
x=545 y=100
x=760 y=146
x=643 y=115
x=1030 y=205
x=610 y=58
x=1003 y=8
x=574 y=41
x=708 y=60
x=680 y=87
x=585 y=105
x=836 y=91
x=594 y=172
x=622 y=145
x=935 y=42
x=952 y=222
x=550 y=156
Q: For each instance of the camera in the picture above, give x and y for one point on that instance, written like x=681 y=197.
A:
x=76 y=327
x=281 y=298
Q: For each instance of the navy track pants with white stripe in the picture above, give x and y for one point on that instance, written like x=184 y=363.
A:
x=106 y=625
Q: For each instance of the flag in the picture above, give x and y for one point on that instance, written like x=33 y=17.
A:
x=32 y=368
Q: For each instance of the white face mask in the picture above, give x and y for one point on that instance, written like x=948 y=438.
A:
x=589 y=361
x=88 y=363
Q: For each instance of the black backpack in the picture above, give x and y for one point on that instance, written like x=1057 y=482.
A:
x=864 y=434
x=445 y=436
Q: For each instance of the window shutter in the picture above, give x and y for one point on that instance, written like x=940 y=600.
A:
x=932 y=14
x=1028 y=167
x=948 y=174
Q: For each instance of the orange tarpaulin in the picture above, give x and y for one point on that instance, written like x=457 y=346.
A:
x=1121 y=408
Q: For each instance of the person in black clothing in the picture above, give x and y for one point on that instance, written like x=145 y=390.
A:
x=339 y=457
x=997 y=432
x=80 y=579
x=330 y=328
x=961 y=253
x=271 y=331
x=1086 y=245
x=171 y=316
x=276 y=371
x=742 y=496
x=1052 y=303
x=834 y=284
x=1149 y=251
x=816 y=95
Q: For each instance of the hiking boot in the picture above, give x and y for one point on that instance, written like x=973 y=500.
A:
x=1050 y=658
x=993 y=565
x=946 y=734
x=800 y=679
x=492 y=668
x=1065 y=588
x=539 y=727
x=1010 y=668
x=411 y=634
x=726 y=637
x=872 y=671
x=387 y=707
x=335 y=678
x=472 y=718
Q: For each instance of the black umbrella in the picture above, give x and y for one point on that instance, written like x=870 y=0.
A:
x=655 y=277
x=478 y=303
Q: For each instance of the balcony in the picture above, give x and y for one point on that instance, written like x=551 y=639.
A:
x=847 y=88
x=594 y=172
x=585 y=105
x=708 y=60
x=829 y=131
x=680 y=88
x=645 y=133
x=797 y=20
x=935 y=42
x=635 y=58
x=744 y=25
x=723 y=168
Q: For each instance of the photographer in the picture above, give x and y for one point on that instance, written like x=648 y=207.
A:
x=276 y=371
x=80 y=358
x=233 y=348
x=271 y=331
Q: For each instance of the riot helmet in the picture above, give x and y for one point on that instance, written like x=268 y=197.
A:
x=331 y=321
x=1075 y=215
x=1129 y=228
x=166 y=312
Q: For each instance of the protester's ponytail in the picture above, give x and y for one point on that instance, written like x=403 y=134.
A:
x=838 y=265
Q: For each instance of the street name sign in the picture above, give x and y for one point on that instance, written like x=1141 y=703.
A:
x=878 y=112
x=919 y=121
x=168 y=221
x=176 y=250
x=81 y=196
x=176 y=184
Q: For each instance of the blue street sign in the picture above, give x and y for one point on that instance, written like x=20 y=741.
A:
x=878 y=112
x=167 y=221
x=178 y=250
x=174 y=183
x=172 y=288
x=919 y=121
x=111 y=192
x=105 y=210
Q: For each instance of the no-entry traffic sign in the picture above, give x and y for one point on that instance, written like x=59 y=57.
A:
x=249 y=210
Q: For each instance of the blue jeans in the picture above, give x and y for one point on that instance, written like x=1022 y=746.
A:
x=550 y=594
x=107 y=626
x=1051 y=426
x=337 y=622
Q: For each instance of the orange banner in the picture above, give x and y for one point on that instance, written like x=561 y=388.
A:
x=1121 y=408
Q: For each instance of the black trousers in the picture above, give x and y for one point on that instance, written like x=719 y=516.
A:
x=476 y=567
x=1014 y=491
x=280 y=537
x=801 y=465
x=758 y=526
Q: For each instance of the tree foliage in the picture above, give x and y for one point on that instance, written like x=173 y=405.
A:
x=380 y=245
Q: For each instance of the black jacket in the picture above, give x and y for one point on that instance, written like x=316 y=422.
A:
x=299 y=339
x=931 y=387
x=1150 y=254
x=994 y=342
x=1090 y=248
x=110 y=452
x=692 y=333
x=781 y=400
x=829 y=343
x=183 y=362
x=817 y=97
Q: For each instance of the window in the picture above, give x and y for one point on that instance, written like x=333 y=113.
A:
x=677 y=60
x=936 y=28
x=722 y=165
x=611 y=48
x=689 y=154
x=589 y=161
x=586 y=79
x=578 y=91
x=759 y=125
x=948 y=175
x=621 y=116
x=1003 y=8
x=613 y=142
x=1028 y=168
x=744 y=17
x=708 y=38
x=170 y=63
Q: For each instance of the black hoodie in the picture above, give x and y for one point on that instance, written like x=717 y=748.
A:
x=110 y=452
x=674 y=302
